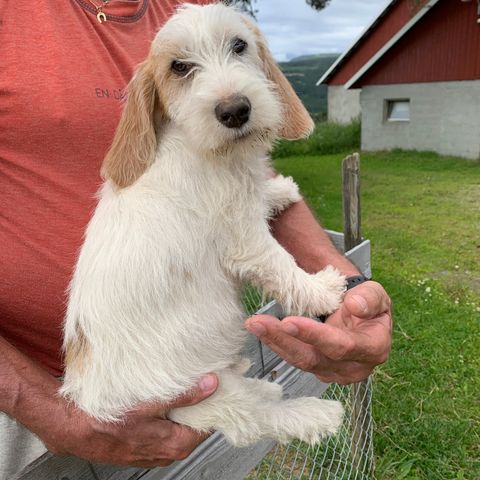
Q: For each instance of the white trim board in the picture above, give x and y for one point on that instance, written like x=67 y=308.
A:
x=400 y=34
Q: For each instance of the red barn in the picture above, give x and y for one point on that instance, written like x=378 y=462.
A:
x=414 y=76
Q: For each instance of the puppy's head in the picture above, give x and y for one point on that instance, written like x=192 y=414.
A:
x=210 y=76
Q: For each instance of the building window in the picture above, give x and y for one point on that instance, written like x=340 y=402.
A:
x=397 y=110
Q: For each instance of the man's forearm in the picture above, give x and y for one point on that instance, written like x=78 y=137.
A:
x=298 y=231
x=27 y=392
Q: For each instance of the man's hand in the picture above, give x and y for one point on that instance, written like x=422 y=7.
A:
x=145 y=438
x=346 y=348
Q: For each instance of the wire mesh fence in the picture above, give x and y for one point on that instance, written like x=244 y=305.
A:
x=347 y=456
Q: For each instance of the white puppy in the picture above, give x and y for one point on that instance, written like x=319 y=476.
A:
x=181 y=222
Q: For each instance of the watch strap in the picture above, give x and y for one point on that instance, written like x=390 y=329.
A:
x=356 y=280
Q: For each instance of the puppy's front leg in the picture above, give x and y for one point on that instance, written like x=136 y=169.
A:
x=279 y=193
x=255 y=256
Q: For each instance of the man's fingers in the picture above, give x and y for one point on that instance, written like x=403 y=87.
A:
x=304 y=343
x=258 y=324
x=331 y=341
x=206 y=386
x=295 y=352
x=331 y=353
x=367 y=300
x=184 y=441
x=162 y=440
x=343 y=345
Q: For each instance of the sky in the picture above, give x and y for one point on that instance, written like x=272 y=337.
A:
x=293 y=28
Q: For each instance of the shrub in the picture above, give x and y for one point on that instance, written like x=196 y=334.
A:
x=327 y=138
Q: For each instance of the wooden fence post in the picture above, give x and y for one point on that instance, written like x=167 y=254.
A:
x=360 y=392
x=351 y=201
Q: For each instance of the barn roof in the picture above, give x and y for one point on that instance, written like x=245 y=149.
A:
x=396 y=32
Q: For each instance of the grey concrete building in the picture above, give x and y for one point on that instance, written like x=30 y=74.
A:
x=343 y=104
x=414 y=77
x=442 y=117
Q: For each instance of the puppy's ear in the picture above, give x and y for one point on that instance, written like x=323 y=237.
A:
x=298 y=123
x=134 y=144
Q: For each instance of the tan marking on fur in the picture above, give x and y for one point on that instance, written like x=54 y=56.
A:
x=77 y=352
x=188 y=276
x=298 y=123
x=169 y=85
x=134 y=145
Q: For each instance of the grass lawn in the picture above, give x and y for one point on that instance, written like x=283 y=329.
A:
x=422 y=214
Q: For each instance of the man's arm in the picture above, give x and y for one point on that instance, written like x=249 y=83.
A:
x=146 y=439
x=297 y=230
x=354 y=339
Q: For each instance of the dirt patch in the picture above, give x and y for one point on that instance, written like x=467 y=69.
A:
x=465 y=279
x=470 y=196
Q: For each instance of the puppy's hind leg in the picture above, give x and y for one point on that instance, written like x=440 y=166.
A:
x=308 y=419
x=270 y=391
x=247 y=410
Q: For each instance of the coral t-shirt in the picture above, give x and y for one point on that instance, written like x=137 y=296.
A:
x=62 y=78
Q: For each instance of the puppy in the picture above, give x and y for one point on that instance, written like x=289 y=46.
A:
x=154 y=302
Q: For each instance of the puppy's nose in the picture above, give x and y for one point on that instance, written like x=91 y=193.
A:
x=233 y=112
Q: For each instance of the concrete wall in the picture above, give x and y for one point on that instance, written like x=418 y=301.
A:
x=343 y=105
x=444 y=117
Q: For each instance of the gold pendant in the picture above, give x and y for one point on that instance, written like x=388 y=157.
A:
x=101 y=17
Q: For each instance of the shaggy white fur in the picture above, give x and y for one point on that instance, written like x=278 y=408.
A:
x=181 y=222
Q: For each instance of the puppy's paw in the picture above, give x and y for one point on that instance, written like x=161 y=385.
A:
x=287 y=190
x=329 y=288
x=280 y=193
x=309 y=419
x=325 y=418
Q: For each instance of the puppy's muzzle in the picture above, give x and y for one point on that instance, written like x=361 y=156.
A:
x=233 y=112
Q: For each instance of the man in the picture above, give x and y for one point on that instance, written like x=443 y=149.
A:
x=59 y=106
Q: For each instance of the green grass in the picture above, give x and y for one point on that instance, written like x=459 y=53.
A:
x=422 y=214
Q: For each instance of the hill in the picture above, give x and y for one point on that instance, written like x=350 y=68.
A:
x=303 y=72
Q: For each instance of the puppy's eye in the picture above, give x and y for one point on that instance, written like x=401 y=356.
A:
x=181 y=68
x=239 y=46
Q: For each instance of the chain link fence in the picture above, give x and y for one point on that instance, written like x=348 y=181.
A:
x=347 y=456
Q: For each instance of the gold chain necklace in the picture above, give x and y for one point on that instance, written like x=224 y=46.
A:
x=101 y=17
